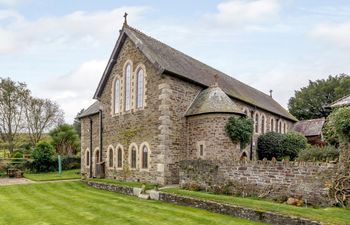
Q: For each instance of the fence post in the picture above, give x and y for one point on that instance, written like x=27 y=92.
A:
x=59 y=165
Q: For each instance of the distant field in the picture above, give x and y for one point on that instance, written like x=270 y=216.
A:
x=67 y=203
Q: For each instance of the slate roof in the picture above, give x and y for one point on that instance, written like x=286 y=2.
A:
x=310 y=127
x=345 y=101
x=173 y=62
x=91 y=110
x=212 y=100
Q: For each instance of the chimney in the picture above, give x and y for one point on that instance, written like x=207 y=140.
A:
x=271 y=93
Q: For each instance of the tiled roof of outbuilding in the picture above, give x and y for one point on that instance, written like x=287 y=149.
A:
x=212 y=100
x=91 y=110
x=310 y=127
x=174 y=62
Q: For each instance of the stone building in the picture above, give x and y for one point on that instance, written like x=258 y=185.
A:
x=157 y=106
x=312 y=130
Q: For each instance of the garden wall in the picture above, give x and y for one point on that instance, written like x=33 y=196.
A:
x=270 y=179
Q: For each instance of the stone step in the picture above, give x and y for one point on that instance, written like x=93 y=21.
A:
x=144 y=196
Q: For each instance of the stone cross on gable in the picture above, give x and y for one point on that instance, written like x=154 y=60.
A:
x=125 y=18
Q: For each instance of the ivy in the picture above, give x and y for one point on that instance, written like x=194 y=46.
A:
x=240 y=130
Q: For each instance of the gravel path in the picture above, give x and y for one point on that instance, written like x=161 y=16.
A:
x=15 y=181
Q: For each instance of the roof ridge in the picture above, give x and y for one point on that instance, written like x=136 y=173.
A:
x=340 y=99
x=221 y=73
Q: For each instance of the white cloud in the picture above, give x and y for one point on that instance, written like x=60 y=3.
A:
x=237 y=12
x=73 y=91
x=78 y=28
x=10 y=2
x=338 y=34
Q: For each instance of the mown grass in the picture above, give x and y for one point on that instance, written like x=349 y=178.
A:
x=66 y=175
x=148 y=186
x=68 y=203
x=332 y=215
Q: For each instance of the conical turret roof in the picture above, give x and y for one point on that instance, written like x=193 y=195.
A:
x=213 y=100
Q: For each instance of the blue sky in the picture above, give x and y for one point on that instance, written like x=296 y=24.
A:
x=60 y=48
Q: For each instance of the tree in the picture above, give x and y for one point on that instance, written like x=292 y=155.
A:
x=65 y=139
x=41 y=115
x=77 y=123
x=240 y=130
x=312 y=101
x=13 y=96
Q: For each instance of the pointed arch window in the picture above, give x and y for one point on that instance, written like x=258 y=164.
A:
x=272 y=125
x=110 y=157
x=117 y=96
x=284 y=128
x=140 y=89
x=280 y=127
x=127 y=87
x=133 y=157
x=257 y=123
x=144 y=157
x=119 y=158
x=87 y=158
x=262 y=124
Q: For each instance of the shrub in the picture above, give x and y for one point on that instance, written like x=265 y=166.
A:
x=293 y=143
x=319 y=154
x=43 y=155
x=240 y=130
x=329 y=132
x=341 y=121
x=270 y=145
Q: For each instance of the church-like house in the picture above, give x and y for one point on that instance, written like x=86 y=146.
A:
x=157 y=106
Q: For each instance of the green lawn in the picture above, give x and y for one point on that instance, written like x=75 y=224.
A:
x=124 y=183
x=337 y=216
x=76 y=203
x=66 y=175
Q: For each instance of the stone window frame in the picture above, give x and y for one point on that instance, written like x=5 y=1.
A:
x=198 y=144
x=127 y=62
x=94 y=156
x=143 y=144
x=137 y=156
x=110 y=147
x=285 y=127
x=135 y=80
x=113 y=111
x=119 y=146
x=263 y=123
x=87 y=158
x=256 y=120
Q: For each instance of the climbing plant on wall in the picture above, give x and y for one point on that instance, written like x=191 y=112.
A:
x=240 y=130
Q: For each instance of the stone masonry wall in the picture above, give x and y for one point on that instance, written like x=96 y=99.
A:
x=177 y=96
x=135 y=126
x=275 y=180
x=208 y=130
x=85 y=141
